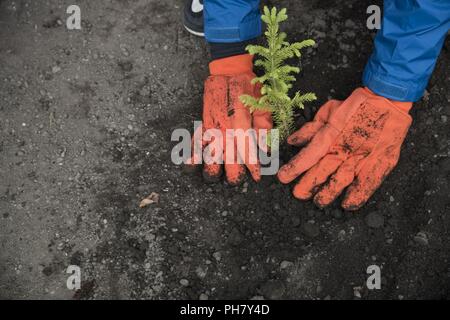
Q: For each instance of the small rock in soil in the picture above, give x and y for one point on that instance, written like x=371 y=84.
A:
x=56 y=69
x=311 y=229
x=374 y=220
x=203 y=296
x=357 y=292
x=201 y=273
x=150 y=199
x=273 y=289
x=184 y=282
x=217 y=255
x=286 y=264
x=421 y=238
x=341 y=235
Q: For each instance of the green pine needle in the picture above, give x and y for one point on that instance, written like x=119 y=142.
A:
x=278 y=76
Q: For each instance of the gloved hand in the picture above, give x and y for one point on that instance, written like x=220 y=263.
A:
x=222 y=109
x=354 y=143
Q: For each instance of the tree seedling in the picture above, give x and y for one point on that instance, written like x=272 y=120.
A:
x=278 y=76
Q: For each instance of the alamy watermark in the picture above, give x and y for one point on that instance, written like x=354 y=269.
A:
x=230 y=146
x=374 y=280
x=74 y=280
x=73 y=22
x=374 y=20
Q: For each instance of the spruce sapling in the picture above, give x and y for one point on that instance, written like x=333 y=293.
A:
x=277 y=78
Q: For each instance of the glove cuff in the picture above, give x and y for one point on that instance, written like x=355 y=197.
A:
x=242 y=63
x=403 y=106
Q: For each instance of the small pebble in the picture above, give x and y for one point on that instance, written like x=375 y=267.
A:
x=217 y=255
x=201 y=273
x=184 y=282
x=421 y=238
x=357 y=292
x=286 y=264
x=341 y=235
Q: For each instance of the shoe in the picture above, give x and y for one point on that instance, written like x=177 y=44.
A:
x=193 y=17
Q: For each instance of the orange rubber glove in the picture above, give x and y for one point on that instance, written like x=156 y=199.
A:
x=230 y=78
x=354 y=143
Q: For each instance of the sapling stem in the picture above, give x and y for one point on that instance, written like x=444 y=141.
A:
x=277 y=78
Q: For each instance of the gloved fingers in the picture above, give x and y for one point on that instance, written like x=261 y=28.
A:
x=307 y=132
x=250 y=157
x=302 y=136
x=369 y=178
x=343 y=177
x=316 y=176
x=262 y=123
x=235 y=173
x=358 y=142
x=325 y=111
x=197 y=146
x=214 y=104
x=234 y=170
x=247 y=151
x=212 y=172
x=212 y=157
x=215 y=101
x=255 y=171
x=308 y=156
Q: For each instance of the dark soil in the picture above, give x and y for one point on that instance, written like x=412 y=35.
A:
x=86 y=119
